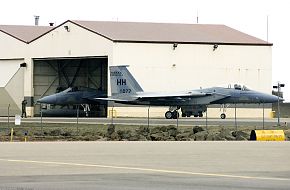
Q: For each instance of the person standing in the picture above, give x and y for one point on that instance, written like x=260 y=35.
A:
x=24 y=103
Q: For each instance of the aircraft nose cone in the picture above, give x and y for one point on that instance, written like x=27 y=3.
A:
x=47 y=100
x=272 y=99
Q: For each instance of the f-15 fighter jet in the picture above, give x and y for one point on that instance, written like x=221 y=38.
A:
x=126 y=90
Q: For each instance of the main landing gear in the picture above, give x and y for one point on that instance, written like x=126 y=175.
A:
x=196 y=111
x=172 y=114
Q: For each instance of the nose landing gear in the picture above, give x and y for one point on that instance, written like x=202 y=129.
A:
x=223 y=116
x=224 y=109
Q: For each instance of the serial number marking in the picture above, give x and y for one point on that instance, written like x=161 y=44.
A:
x=116 y=73
x=125 y=91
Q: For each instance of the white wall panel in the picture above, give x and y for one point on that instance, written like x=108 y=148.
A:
x=8 y=68
x=11 y=48
x=196 y=65
x=158 y=67
x=78 y=42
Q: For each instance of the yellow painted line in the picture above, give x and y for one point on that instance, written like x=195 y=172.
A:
x=146 y=169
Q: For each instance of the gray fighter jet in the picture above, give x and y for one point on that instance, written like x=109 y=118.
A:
x=74 y=96
x=126 y=90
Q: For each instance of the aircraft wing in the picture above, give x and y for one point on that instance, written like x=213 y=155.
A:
x=167 y=98
x=202 y=98
x=170 y=96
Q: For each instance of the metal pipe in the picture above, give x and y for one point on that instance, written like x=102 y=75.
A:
x=177 y=114
x=112 y=121
x=41 y=119
x=36 y=20
x=206 y=118
x=236 y=117
x=278 y=116
x=77 y=119
x=263 y=115
x=148 y=116
x=8 y=115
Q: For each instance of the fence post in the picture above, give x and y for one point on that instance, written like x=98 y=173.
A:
x=11 y=135
x=77 y=119
x=41 y=120
x=148 y=116
x=8 y=115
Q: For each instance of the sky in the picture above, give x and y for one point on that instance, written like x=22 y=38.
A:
x=249 y=16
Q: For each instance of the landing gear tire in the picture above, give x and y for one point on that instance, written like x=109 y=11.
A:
x=171 y=114
x=168 y=115
x=183 y=114
x=223 y=116
x=200 y=115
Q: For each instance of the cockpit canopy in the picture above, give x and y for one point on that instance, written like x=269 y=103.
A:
x=238 y=87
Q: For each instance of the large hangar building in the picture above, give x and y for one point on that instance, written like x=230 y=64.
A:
x=36 y=61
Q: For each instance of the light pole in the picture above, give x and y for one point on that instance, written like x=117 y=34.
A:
x=278 y=87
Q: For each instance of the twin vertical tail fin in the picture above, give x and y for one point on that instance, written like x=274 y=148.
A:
x=123 y=82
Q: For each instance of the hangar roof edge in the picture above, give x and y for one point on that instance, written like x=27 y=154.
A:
x=141 y=32
x=24 y=33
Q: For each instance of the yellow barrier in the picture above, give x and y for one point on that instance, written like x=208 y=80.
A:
x=25 y=136
x=112 y=113
x=267 y=135
x=272 y=114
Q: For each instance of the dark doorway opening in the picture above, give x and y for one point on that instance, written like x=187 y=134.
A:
x=54 y=75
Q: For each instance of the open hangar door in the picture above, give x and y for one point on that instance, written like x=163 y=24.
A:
x=54 y=75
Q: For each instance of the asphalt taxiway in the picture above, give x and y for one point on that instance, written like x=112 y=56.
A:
x=145 y=165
